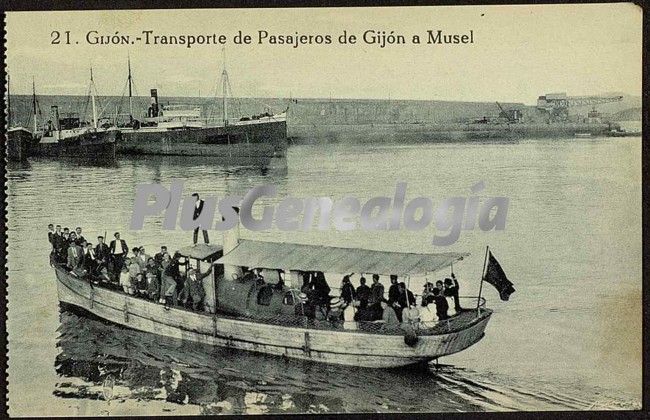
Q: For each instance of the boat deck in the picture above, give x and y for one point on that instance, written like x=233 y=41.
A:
x=456 y=323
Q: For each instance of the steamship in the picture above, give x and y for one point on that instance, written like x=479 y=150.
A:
x=68 y=135
x=181 y=130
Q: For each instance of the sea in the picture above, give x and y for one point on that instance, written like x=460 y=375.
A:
x=569 y=338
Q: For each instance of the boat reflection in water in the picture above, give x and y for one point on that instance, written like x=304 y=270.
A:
x=116 y=367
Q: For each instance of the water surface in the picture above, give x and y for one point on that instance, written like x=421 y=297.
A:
x=569 y=338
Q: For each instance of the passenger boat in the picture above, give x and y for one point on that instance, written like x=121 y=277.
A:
x=69 y=136
x=243 y=313
x=179 y=129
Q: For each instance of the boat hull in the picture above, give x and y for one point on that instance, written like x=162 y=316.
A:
x=343 y=347
x=19 y=142
x=89 y=145
x=254 y=143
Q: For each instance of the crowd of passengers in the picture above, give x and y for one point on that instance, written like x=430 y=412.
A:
x=370 y=303
x=159 y=278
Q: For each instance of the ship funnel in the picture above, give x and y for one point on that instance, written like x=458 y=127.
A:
x=154 y=108
x=230 y=242
x=54 y=116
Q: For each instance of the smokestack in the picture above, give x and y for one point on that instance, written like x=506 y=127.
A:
x=55 y=117
x=230 y=242
x=154 y=102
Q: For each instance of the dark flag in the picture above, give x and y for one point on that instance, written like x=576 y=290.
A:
x=497 y=278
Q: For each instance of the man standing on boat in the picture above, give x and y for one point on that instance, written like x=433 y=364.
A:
x=198 y=208
x=193 y=288
x=102 y=253
x=393 y=291
x=118 y=250
x=58 y=242
x=75 y=255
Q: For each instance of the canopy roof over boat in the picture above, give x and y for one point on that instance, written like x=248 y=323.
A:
x=201 y=251
x=301 y=257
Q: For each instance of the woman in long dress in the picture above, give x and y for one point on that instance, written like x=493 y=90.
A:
x=427 y=309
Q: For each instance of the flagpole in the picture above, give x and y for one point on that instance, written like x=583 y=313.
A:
x=480 y=289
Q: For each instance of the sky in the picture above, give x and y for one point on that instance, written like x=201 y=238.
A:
x=519 y=52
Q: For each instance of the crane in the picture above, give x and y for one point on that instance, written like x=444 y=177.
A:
x=558 y=104
x=505 y=114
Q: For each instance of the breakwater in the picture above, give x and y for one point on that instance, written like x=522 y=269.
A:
x=333 y=120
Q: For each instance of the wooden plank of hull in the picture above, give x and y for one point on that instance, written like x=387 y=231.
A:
x=329 y=346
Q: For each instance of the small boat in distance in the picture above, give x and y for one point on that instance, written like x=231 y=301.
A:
x=182 y=130
x=265 y=314
x=70 y=136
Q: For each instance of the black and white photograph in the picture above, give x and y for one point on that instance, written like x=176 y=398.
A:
x=324 y=210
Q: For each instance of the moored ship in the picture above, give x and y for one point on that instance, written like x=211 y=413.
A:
x=181 y=130
x=70 y=136
x=19 y=138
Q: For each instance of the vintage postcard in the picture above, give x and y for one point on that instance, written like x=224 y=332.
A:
x=324 y=210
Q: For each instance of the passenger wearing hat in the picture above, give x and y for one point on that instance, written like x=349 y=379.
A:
x=451 y=290
x=363 y=293
x=193 y=288
x=348 y=294
x=376 y=291
x=393 y=291
x=300 y=306
x=441 y=304
x=102 y=253
x=335 y=314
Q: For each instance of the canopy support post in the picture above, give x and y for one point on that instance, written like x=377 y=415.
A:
x=480 y=289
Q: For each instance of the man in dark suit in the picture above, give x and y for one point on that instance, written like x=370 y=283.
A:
x=159 y=256
x=393 y=291
x=193 y=288
x=89 y=260
x=65 y=244
x=118 y=250
x=198 y=208
x=441 y=304
x=363 y=293
x=50 y=234
x=102 y=253
x=80 y=239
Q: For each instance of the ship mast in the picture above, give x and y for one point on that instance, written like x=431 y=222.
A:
x=92 y=96
x=224 y=79
x=34 y=105
x=130 y=92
